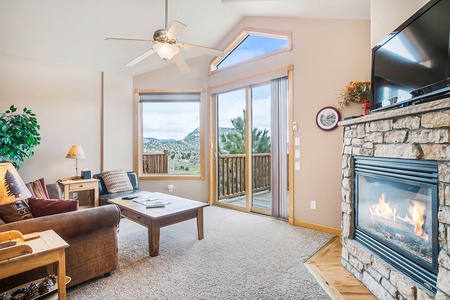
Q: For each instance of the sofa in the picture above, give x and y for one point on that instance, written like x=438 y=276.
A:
x=92 y=237
x=104 y=195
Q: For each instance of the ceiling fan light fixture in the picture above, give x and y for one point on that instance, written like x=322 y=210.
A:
x=166 y=51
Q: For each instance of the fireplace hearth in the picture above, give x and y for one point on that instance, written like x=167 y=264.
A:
x=396 y=213
x=396 y=235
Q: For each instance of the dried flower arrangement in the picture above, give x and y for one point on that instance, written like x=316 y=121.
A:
x=355 y=91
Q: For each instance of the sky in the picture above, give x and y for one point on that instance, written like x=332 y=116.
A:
x=252 y=46
x=170 y=121
x=232 y=104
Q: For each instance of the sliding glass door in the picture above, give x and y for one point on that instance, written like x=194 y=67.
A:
x=260 y=140
x=249 y=122
x=231 y=148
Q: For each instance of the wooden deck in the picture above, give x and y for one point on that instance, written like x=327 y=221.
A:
x=326 y=267
x=261 y=200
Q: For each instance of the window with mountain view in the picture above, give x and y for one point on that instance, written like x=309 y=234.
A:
x=170 y=139
x=251 y=45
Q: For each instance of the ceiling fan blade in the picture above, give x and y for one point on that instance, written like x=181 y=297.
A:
x=181 y=63
x=175 y=30
x=210 y=51
x=129 y=40
x=140 y=57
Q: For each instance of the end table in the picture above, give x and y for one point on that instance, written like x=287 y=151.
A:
x=78 y=185
x=49 y=248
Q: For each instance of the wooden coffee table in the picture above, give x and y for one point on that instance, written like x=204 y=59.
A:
x=178 y=210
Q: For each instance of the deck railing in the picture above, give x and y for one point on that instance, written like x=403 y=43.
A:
x=156 y=163
x=232 y=174
x=231 y=171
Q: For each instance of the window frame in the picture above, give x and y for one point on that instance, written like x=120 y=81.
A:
x=240 y=37
x=139 y=136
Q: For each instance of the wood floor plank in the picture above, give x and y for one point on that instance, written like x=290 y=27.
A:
x=326 y=267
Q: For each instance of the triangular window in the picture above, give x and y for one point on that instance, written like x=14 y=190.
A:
x=251 y=45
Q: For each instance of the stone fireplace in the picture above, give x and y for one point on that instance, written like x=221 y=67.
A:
x=395 y=254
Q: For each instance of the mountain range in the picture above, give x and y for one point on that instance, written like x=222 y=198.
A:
x=190 y=143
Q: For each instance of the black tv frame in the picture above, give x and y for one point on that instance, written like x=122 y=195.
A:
x=434 y=91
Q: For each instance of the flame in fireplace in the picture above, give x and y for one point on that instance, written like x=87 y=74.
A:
x=383 y=209
x=414 y=217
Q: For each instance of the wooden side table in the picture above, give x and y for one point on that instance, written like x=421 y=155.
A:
x=49 y=248
x=71 y=186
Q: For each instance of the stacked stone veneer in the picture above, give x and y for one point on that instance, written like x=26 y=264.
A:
x=415 y=132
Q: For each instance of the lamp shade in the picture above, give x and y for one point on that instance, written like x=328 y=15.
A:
x=12 y=187
x=165 y=50
x=76 y=152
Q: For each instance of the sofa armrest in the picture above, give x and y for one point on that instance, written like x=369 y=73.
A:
x=71 y=224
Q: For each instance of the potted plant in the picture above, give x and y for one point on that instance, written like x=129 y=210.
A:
x=18 y=135
x=356 y=92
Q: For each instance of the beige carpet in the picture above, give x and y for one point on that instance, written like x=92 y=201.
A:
x=243 y=256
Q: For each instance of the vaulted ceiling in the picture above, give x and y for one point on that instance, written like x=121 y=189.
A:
x=72 y=32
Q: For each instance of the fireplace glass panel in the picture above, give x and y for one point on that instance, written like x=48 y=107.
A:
x=398 y=213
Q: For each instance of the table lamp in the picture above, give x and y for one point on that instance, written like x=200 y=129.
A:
x=76 y=152
x=12 y=189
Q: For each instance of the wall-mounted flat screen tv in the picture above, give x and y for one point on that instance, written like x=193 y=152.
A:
x=413 y=63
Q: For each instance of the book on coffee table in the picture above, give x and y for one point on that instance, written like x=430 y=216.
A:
x=151 y=202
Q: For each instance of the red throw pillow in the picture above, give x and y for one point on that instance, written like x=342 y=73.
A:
x=43 y=207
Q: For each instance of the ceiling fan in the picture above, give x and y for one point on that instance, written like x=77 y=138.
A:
x=165 y=43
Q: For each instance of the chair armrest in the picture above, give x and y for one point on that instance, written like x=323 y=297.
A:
x=71 y=224
x=54 y=191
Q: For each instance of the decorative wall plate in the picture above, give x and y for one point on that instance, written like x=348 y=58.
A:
x=328 y=118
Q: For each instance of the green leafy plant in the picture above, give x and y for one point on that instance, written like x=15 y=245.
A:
x=19 y=135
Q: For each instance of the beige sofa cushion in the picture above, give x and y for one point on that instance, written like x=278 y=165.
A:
x=117 y=181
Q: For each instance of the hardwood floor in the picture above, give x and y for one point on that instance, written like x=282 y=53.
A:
x=326 y=267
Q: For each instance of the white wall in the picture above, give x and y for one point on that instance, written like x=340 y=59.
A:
x=67 y=104
x=118 y=118
x=387 y=15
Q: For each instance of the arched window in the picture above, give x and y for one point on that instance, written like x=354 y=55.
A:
x=252 y=44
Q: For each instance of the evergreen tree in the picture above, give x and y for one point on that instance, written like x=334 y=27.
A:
x=12 y=188
x=233 y=142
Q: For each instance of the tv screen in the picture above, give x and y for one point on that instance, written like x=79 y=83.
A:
x=412 y=64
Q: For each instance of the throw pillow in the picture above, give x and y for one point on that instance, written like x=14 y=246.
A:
x=38 y=189
x=117 y=181
x=44 y=207
x=16 y=211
